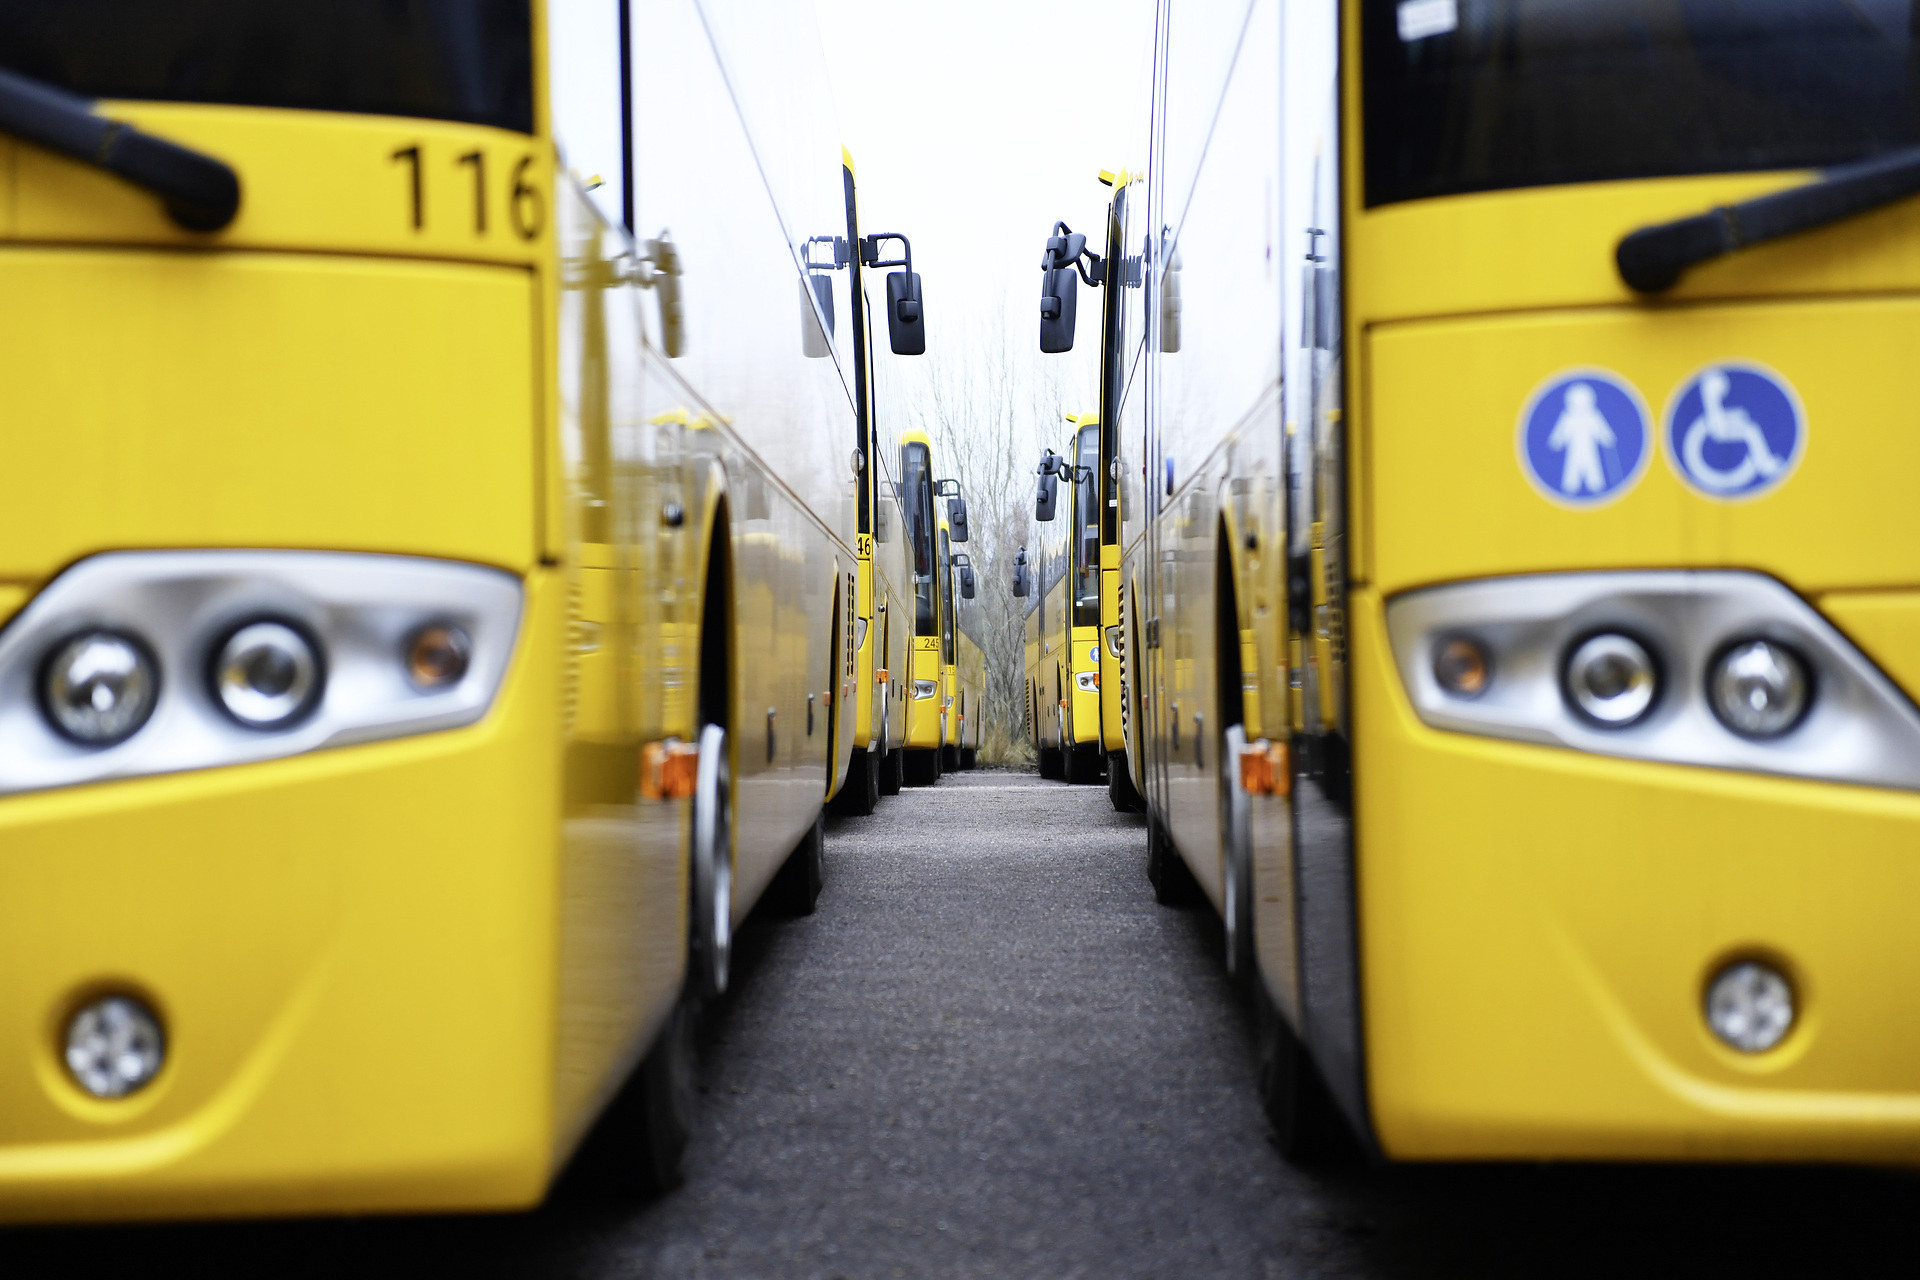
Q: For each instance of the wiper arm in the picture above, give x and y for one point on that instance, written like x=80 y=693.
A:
x=200 y=192
x=1652 y=258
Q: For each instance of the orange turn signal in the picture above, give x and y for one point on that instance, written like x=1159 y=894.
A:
x=1265 y=769
x=879 y=675
x=668 y=769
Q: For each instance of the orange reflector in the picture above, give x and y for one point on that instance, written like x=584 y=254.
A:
x=667 y=769
x=1265 y=769
x=879 y=675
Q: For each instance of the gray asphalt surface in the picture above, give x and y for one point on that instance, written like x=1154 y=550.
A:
x=990 y=1054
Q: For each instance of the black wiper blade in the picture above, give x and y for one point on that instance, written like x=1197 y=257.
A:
x=1652 y=258
x=200 y=192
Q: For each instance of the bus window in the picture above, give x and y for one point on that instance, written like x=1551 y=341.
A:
x=916 y=488
x=1515 y=95
x=1086 y=530
x=466 y=60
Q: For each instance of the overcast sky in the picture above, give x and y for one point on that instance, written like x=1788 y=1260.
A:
x=974 y=126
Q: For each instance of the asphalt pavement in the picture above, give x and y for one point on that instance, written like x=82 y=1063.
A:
x=989 y=1053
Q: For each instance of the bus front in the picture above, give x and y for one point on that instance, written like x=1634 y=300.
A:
x=926 y=678
x=1634 y=625
x=276 y=792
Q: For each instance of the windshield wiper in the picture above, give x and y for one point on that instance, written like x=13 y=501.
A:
x=1652 y=258
x=200 y=192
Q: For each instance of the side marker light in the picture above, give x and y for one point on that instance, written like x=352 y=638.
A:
x=1461 y=667
x=1265 y=769
x=668 y=769
x=437 y=656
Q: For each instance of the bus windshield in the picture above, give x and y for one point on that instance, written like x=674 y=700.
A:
x=1086 y=530
x=465 y=60
x=916 y=492
x=1483 y=95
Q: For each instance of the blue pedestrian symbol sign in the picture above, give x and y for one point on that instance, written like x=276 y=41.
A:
x=1584 y=438
x=1735 y=430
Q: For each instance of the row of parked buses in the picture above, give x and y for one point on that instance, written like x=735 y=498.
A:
x=1506 y=599
x=448 y=610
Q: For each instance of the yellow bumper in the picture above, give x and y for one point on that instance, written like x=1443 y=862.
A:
x=353 y=952
x=1537 y=927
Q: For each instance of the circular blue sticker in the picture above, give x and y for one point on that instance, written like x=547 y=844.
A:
x=1584 y=438
x=1735 y=430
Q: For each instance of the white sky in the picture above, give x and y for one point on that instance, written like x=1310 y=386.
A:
x=973 y=126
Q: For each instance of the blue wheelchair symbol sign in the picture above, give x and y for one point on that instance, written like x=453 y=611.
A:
x=1584 y=438
x=1735 y=430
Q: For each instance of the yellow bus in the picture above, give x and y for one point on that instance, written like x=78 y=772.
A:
x=439 y=621
x=1520 y=608
x=1064 y=648
x=929 y=733
x=969 y=675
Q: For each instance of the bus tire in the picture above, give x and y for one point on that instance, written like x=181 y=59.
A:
x=1050 y=766
x=1173 y=884
x=710 y=925
x=949 y=759
x=969 y=757
x=860 y=793
x=1120 y=789
x=795 y=890
x=634 y=1152
x=922 y=768
x=1236 y=858
x=1083 y=763
x=1307 y=1125
x=893 y=769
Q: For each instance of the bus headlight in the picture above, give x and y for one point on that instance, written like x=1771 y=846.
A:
x=1759 y=689
x=267 y=675
x=99 y=687
x=922 y=689
x=114 y=1046
x=1750 y=1006
x=1610 y=679
x=295 y=651
x=1461 y=667
x=1087 y=681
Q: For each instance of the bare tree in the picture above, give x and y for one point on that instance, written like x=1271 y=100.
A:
x=987 y=404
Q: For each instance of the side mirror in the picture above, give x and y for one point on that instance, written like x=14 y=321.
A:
x=1170 y=305
x=1059 y=297
x=1044 y=499
x=1022 y=578
x=965 y=565
x=814 y=339
x=957 y=517
x=660 y=272
x=906 y=318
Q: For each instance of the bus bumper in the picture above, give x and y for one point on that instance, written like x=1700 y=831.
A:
x=1537 y=928
x=353 y=953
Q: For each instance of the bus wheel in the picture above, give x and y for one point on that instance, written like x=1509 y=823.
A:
x=1050 y=762
x=922 y=768
x=969 y=757
x=1173 y=883
x=949 y=759
x=635 y=1149
x=893 y=768
x=1120 y=789
x=796 y=886
x=1236 y=857
x=1307 y=1126
x=860 y=793
x=710 y=928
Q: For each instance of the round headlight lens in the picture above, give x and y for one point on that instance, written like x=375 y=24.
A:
x=1461 y=667
x=114 y=1046
x=1611 y=680
x=438 y=656
x=1750 y=1006
x=99 y=687
x=1759 y=689
x=267 y=675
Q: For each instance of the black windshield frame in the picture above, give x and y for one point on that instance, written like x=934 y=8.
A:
x=469 y=61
